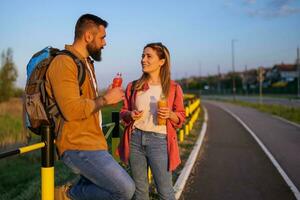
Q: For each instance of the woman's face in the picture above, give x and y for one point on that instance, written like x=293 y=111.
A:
x=150 y=61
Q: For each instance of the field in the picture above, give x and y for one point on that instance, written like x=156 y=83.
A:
x=11 y=123
x=20 y=175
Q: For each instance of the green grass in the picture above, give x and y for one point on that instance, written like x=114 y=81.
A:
x=10 y=129
x=289 y=113
x=106 y=112
x=20 y=175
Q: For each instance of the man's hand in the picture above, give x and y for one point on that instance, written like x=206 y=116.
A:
x=114 y=95
x=111 y=97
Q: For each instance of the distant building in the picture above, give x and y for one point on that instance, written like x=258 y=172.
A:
x=284 y=72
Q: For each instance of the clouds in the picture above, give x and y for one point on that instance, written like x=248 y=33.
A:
x=270 y=8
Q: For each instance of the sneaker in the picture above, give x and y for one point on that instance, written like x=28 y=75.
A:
x=61 y=192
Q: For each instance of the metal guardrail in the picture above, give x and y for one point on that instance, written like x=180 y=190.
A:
x=47 y=144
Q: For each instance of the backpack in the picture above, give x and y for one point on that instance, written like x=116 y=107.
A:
x=39 y=108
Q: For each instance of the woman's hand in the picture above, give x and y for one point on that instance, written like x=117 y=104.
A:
x=167 y=113
x=164 y=112
x=135 y=114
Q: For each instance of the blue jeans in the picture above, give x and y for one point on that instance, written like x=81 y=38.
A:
x=149 y=148
x=101 y=176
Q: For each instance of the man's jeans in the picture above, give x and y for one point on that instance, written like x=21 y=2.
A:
x=101 y=176
x=150 y=148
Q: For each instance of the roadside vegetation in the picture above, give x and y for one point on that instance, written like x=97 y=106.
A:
x=289 y=113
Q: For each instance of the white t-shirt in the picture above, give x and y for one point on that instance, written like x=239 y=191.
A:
x=95 y=88
x=147 y=101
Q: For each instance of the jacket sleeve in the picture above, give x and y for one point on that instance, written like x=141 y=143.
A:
x=62 y=76
x=126 y=107
x=178 y=107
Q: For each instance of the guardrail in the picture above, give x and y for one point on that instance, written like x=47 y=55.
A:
x=192 y=109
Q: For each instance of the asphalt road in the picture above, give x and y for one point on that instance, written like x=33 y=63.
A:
x=231 y=165
x=281 y=138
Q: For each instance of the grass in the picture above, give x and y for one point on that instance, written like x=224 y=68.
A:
x=11 y=122
x=10 y=129
x=20 y=175
x=289 y=113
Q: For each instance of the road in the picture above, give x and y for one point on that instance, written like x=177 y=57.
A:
x=231 y=165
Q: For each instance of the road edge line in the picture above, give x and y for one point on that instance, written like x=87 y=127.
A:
x=287 y=121
x=183 y=177
x=268 y=153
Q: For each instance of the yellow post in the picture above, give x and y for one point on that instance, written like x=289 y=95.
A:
x=190 y=125
x=149 y=175
x=47 y=183
x=47 y=170
x=186 y=126
x=181 y=135
x=187 y=111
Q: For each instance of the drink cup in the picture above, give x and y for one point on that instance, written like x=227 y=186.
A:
x=160 y=104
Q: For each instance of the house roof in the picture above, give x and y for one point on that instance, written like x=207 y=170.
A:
x=285 y=67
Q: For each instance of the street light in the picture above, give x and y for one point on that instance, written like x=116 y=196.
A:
x=233 y=69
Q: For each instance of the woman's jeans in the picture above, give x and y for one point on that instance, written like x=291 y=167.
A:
x=149 y=148
x=101 y=176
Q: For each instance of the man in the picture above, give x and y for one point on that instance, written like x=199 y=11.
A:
x=81 y=144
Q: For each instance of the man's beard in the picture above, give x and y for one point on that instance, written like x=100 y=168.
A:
x=94 y=52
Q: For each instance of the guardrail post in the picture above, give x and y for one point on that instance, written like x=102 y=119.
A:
x=115 y=134
x=47 y=169
x=181 y=135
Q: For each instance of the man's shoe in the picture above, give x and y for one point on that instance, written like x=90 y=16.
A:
x=61 y=192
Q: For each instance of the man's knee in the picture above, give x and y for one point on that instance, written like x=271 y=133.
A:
x=128 y=190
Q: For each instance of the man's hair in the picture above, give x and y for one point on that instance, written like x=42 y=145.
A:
x=86 y=22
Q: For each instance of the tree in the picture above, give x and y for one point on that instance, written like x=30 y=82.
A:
x=8 y=75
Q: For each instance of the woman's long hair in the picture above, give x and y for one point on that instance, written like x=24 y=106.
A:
x=165 y=73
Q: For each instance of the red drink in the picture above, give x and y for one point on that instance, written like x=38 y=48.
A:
x=117 y=82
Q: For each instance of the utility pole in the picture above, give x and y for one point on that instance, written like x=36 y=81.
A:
x=233 y=70
x=298 y=68
x=200 y=69
x=260 y=78
x=245 y=79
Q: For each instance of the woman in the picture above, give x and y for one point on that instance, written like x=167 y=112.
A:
x=145 y=143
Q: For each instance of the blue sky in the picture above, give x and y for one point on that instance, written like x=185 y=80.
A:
x=197 y=33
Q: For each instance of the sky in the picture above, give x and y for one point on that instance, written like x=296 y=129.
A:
x=198 y=33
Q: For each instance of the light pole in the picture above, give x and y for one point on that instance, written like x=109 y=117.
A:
x=233 y=69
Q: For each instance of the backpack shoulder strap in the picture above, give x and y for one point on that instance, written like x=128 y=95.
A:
x=80 y=65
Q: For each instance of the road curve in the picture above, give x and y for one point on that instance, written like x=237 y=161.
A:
x=232 y=166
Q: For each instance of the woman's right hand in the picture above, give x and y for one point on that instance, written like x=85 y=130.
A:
x=135 y=114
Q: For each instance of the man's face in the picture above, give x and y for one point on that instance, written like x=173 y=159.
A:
x=96 y=45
